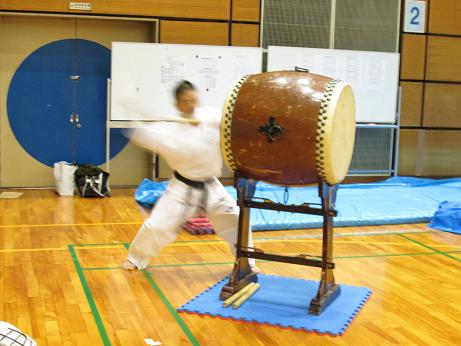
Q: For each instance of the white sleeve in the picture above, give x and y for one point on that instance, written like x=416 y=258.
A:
x=168 y=139
x=156 y=137
x=213 y=116
x=145 y=111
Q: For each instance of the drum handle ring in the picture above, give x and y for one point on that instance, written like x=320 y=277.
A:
x=271 y=129
x=286 y=195
x=301 y=69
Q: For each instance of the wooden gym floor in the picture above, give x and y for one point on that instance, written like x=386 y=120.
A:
x=60 y=281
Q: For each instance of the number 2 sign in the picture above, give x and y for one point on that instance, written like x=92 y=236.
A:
x=415 y=16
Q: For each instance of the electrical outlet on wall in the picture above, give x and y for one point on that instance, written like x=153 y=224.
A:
x=81 y=6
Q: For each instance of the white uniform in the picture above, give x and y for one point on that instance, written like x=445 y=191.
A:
x=194 y=152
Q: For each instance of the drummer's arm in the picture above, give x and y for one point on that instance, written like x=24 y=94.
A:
x=215 y=117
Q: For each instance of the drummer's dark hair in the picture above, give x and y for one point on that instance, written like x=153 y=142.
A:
x=182 y=87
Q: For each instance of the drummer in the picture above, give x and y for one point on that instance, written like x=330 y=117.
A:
x=192 y=150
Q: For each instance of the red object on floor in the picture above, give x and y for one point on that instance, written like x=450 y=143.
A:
x=198 y=226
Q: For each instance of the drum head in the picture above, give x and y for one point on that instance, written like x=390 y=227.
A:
x=226 y=124
x=336 y=132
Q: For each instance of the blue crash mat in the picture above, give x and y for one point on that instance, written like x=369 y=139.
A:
x=392 y=201
x=284 y=302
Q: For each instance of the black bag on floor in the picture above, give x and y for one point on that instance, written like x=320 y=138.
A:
x=92 y=181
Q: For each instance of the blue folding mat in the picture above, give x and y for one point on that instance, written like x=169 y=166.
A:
x=448 y=217
x=392 y=201
x=284 y=302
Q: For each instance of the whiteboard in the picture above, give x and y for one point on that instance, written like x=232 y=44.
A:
x=372 y=75
x=150 y=71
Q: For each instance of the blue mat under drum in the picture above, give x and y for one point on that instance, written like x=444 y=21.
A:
x=284 y=302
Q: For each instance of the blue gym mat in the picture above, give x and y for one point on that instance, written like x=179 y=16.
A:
x=284 y=302
x=392 y=201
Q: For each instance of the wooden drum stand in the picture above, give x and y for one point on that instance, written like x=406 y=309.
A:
x=242 y=274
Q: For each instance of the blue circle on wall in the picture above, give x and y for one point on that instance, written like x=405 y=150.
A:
x=40 y=101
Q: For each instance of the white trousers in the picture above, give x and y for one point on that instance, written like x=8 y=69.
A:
x=174 y=208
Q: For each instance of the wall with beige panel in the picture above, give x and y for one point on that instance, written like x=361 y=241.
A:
x=188 y=32
x=443 y=58
x=411 y=104
x=430 y=152
x=216 y=9
x=442 y=153
x=445 y=17
x=30 y=5
x=408 y=152
x=412 y=56
x=432 y=106
x=246 y=10
x=442 y=105
x=246 y=35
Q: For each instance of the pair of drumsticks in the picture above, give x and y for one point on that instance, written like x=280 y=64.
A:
x=241 y=296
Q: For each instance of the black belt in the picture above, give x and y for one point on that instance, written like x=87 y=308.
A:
x=197 y=185
x=191 y=183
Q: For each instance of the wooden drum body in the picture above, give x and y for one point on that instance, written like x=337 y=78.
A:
x=289 y=128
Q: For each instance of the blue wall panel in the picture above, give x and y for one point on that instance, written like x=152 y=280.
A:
x=39 y=102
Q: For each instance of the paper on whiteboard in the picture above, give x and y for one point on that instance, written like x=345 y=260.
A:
x=352 y=73
x=327 y=65
x=208 y=71
x=365 y=76
x=375 y=73
x=241 y=66
x=330 y=65
x=172 y=70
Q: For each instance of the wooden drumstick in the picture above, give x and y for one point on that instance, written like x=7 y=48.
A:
x=237 y=295
x=192 y=121
x=150 y=115
x=143 y=123
x=245 y=297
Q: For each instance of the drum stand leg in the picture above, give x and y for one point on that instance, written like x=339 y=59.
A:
x=242 y=274
x=328 y=290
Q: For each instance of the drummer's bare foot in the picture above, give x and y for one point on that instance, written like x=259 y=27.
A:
x=127 y=265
